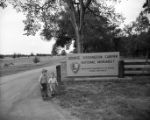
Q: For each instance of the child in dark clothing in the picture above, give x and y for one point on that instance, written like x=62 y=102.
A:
x=43 y=83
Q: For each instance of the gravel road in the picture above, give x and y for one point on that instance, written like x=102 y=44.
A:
x=20 y=99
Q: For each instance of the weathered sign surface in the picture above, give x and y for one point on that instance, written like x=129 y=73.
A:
x=93 y=64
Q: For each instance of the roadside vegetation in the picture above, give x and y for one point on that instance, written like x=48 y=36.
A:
x=36 y=59
x=9 y=65
x=111 y=100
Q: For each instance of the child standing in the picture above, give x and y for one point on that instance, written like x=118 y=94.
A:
x=52 y=83
x=43 y=83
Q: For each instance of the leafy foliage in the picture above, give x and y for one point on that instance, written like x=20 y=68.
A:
x=63 y=52
x=55 y=50
x=68 y=20
x=1 y=56
x=91 y=23
x=3 y=4
x=138 y=36
x=146 y=6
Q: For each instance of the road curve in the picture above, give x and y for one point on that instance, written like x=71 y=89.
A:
x=20 y=99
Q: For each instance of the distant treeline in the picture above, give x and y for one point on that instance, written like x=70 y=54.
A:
x=43 y=54
x=15 y=55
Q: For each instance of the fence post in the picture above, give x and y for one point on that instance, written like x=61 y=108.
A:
x=121 y=69
x=58 y=71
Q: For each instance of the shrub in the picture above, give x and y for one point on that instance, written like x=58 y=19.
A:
x=14 y=56
x=36 y=59
x=1 y=56
x=6 y=65
x=63 y=53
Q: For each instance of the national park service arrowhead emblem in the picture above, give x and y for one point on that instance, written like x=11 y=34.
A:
x=75 y=67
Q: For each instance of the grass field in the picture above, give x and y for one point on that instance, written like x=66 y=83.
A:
x=10 y=66
x=117 y=100
x=93 y=100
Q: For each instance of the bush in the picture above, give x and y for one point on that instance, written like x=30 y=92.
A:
x=63 y=53
x=36 y=59
x=14 y=56
x=1 y=56
x=6 y=65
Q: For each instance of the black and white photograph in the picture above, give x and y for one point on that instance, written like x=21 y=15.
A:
x=74 y=59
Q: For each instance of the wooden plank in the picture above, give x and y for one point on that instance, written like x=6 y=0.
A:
x=136 y=63
x=137 y=66
x=137 y=72
x=139 y=69
x=136 y=60
x=143 y=74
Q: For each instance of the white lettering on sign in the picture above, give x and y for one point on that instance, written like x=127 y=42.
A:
x=93 y=64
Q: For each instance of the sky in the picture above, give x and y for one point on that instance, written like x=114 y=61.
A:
x=130 y=9
x=12 y=39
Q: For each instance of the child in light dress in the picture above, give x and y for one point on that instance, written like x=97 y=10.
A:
x=53 y=83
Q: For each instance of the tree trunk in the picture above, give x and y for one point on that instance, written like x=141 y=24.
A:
x=78 y=37
x=78 y=27
x=75 y=25
x=78 y=41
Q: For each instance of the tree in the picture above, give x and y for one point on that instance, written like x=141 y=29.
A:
x=3 y=4
x=1 y=56
x=36 y=59
x=146 y=6
x=142 y=28
x=57 y=15
x=63 y=53
x=14 y=55
x=31 y=54
x=138 y=36
x=54 y=50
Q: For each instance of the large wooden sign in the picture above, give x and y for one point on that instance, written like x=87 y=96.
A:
x=93 y=64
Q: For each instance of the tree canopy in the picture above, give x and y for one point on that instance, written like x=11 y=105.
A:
x=85 y=21
x=93 y=24
x=138 y=34
x=146 y=6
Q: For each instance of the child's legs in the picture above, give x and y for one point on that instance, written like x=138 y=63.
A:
x=44 y=85
x=54 y=88
x=49 y=89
